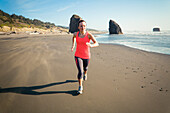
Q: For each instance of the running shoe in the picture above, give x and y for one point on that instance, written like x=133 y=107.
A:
x=80 y=90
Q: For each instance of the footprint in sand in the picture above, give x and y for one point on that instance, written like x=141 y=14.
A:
x=143 y=86
x=161 y=89
x=135 y=71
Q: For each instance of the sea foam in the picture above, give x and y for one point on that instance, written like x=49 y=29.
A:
x=158 y=42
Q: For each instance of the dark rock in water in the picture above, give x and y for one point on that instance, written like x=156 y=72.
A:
x=114 y=28
x=156 y=29
x=73 y=27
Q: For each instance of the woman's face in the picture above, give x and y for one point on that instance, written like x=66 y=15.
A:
x=82 y=26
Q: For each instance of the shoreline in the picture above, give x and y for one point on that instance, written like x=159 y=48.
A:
x=136 y=48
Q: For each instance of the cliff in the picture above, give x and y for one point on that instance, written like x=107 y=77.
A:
x=19 y=24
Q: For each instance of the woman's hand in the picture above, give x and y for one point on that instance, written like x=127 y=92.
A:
x=72 y=49
x=88 y=44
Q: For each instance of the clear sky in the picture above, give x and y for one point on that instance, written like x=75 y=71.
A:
x=131 y=15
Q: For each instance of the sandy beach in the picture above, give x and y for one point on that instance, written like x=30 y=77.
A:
x=38 y=75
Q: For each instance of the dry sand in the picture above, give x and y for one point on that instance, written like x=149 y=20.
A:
x=38 y=75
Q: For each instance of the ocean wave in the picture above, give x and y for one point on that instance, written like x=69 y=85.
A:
x=153 y=42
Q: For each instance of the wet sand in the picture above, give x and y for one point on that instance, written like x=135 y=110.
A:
x=38 y=75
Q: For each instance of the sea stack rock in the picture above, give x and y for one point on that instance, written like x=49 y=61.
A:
x=114 y=28
x=156 y=29
x=73 y=27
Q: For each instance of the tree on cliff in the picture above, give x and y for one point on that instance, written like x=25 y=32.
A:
x=21 y=21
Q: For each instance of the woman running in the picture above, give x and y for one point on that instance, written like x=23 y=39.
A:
x=82 y=54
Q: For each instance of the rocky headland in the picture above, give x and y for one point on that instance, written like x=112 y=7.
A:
x=114 y=28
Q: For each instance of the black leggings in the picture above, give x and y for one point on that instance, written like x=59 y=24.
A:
x=82 y=65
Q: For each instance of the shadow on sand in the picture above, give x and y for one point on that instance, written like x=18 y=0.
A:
x=29 y=90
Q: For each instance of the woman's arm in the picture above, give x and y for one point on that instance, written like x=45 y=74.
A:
x=95 y=43
x=73 y=42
